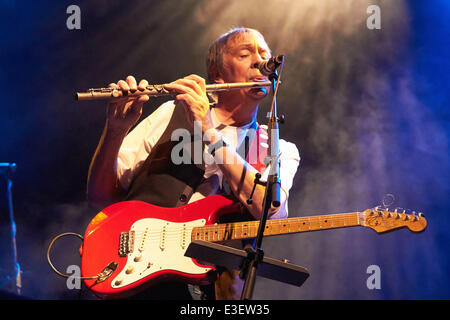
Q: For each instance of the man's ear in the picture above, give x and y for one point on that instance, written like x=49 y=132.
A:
x=217 y=76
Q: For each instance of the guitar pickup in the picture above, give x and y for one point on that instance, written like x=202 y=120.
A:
x=126 y=243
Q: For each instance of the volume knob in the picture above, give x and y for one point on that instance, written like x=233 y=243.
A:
x=129 y=269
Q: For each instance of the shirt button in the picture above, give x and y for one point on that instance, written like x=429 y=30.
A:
x=183 y=198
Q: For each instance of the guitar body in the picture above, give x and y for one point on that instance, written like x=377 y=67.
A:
x=131 y=245
x=137 y=244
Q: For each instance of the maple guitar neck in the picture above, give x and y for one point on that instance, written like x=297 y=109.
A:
x=379 y=220
x=249 y=229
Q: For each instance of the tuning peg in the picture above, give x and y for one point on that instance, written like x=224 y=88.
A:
x=398 y=215
x=411 y=213
x=418 y=216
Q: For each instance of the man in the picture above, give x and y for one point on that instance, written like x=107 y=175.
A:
x=138 y=164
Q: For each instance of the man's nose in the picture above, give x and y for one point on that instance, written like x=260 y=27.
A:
x=257 y=60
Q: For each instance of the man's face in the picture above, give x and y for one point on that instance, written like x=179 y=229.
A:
x=241 y=58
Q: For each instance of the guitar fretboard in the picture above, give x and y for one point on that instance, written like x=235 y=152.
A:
x=249 y=229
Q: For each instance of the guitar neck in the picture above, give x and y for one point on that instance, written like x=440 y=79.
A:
x=249 y=229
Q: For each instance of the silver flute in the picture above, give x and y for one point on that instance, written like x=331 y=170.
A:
x=157 y=90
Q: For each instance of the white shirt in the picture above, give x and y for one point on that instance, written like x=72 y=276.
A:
x=140 y=141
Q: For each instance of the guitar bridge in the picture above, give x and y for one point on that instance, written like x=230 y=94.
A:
x=126 y=243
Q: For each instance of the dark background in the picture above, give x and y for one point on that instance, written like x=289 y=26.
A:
x=368 y=110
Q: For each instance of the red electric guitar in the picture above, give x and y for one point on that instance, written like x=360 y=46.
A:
x=131 y=245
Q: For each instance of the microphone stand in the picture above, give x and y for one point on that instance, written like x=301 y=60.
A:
x=271 y=196
x=9 y=168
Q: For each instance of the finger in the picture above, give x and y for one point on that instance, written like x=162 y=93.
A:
x=195 y=103
x=136 y=107
x=126 y=109
x=123 y=85
x=186 y=98
x=142 y=84
x=123 y=106
x=111 y=109
x=143 y=99
x=131 y=81
x=113 y=85
x=183 y=86
x=199 y=80
x=193 y=85
x=190 y=103
x=189 y=114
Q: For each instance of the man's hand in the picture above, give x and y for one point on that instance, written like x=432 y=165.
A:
x=125 y=112
x=191 y=93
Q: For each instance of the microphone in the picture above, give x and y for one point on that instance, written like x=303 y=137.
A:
x=267 y=67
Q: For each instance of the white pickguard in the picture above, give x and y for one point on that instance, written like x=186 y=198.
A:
x=158 y=245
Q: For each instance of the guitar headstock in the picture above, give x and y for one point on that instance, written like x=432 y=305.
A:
x=384 y=220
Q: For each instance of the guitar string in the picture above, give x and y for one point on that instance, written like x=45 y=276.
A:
x=221 y=234
x=230 y=231
x=291 y=222
x=227 y=235
x=272 y=223
x=215 y=229
x=241 y=225
x=234 y=228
